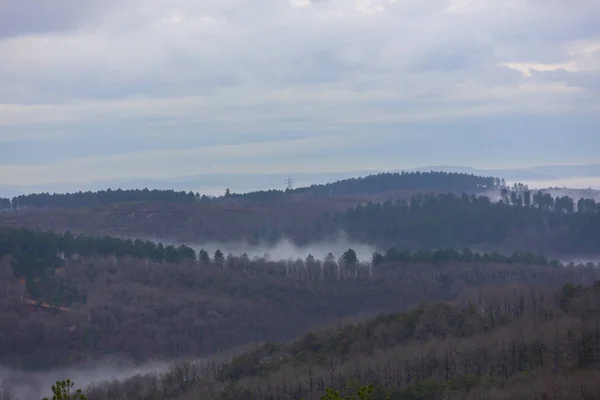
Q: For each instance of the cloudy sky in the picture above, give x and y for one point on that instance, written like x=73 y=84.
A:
x=106 y=89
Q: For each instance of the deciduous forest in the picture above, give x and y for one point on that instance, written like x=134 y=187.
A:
x=518 y=342
x=518 y=219
x=428 y=315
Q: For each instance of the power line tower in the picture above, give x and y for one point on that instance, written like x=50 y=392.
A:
x=289 y=183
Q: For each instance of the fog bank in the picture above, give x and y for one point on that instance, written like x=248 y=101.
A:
x=284 y=249
x=25 y=385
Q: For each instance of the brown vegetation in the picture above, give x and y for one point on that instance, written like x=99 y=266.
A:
x=521 y=221
x=141 y=310
x=177 y=222
x=225 y=220
x=514 y=342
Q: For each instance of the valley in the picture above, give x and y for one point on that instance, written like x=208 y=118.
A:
x=132 y=282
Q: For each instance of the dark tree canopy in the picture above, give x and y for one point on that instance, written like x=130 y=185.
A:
x=440 y=181
x=437 y=220
x=425 y=181
x=483 y=347
x=102 y=197
x=35 y=251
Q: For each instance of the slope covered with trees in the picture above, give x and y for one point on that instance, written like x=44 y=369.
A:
x=420 y=181
x=514 y=342
x=95 y=303
x=102 y=197
x=437 y=220
x=36 y=255
x=521 y=220
x=439 y=181
x=35 y=251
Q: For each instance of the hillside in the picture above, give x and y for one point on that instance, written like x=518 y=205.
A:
x=441 y=220
x=406 y=210
x=182 y=223
x=514 y=342
x=369 y=185
x=84 y=279
x=68 y=302
x=521 y=220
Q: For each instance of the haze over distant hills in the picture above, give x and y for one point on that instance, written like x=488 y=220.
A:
x=536 y=173
x=573 y=176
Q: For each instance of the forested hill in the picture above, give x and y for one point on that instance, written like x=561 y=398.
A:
x=523 y=221
x=39 y=252
x=36 y=256
x=514 y=342
x=438 y=220
x=102 y=197
x=372 y=184
x=65 y=299
x=421 y=181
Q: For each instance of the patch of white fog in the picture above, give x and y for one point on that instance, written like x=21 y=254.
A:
x=576 y=188
x=570 y=183
x=17 y=384
x=24 y=385
x=284 y=249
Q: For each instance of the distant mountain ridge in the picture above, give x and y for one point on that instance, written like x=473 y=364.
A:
x=216 y=184
x=369 y=185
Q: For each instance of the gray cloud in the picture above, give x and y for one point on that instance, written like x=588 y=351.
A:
x=20 y=17
x=223 y=72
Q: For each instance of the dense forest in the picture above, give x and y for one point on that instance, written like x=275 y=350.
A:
x=437 y=220
x=74 y=290
x=35 y=254
x=371 y=184
x=520 y=220
x=388 y=182
x=84 y=302
x=90 y=199
x=34 y=251
x=421 y=181
x=514 y=342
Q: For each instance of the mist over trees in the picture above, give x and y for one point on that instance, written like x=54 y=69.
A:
x=76 y=297
x=88 y=309
x=423 y=220
x=35 y=255
x=89 y=297
x=515 y=342
x=68 y=297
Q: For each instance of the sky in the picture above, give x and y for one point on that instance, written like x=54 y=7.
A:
x=100 y=90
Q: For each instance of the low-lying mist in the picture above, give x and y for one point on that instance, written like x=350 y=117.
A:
x=25 y=385
x=554 y=191
x=17 y=384
x=284 y=249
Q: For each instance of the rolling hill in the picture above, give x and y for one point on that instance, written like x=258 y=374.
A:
x=513 y=342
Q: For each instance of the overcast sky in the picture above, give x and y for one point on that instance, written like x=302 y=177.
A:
x=107 y=89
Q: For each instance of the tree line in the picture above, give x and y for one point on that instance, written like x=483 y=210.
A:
x=138 y=311
x=35 y=251
x=38 y=257
x=102 y=197
x=378 y=183
x=517 y=343
x=436 y=220
x=423 y=181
